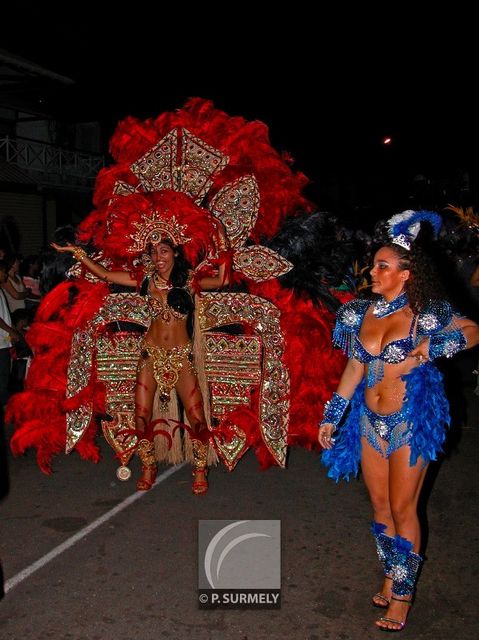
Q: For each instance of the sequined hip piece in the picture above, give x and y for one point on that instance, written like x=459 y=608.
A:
x=385 y=433
x=167 y=366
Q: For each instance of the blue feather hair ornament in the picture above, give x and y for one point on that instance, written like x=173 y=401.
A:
x=404 y=227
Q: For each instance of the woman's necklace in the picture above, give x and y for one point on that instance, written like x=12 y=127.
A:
x=383 y=308
x=160 y=283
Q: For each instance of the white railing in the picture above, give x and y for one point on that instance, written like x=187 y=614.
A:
x=49 y=164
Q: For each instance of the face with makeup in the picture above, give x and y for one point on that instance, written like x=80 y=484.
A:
x=163 y=255
x=388 y=275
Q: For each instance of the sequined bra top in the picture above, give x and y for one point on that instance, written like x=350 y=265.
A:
x=177 y=305
x=393 y=353
x=436 y=322
x=161 y=310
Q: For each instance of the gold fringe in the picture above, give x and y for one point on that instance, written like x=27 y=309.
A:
x=162 y=451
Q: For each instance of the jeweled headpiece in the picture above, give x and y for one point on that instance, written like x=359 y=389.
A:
x=404 y=227
x=154 y=230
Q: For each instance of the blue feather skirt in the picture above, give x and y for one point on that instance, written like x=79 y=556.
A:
x=426 y=411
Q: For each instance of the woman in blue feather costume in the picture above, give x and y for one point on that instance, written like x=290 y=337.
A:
x=390 y=400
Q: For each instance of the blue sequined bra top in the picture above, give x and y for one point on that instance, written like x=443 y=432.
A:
x=393 y=353
x=436 y=322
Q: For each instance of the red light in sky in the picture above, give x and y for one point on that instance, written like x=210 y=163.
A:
x=387 y=140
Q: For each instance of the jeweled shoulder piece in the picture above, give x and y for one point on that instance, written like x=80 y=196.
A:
x=436 y=316
x=351 y=314
x=383 y=308
x=348 y=323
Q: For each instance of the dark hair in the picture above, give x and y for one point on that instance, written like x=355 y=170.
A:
x=12 y=258
x=178 y=298
x=54 y=269
x=425 y=282
x=28 y=262
x=18 y=315
x=181 y=266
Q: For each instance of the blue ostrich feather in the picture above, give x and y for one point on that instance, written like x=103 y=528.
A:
x=343 y=459
x=403 y=545
x=408 y=223
x=427 y=412
x=377 y=528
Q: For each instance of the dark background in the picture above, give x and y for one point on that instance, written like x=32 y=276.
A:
x=330 y=86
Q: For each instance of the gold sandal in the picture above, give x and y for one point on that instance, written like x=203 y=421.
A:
x=200 y=487
x=144 y=484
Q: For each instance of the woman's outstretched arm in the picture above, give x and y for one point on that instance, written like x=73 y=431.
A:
x=116 y=277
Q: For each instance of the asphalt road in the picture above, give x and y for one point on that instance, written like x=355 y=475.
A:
x=133 y=575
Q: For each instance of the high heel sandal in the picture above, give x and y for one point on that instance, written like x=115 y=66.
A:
x=199 y=486
x=405 y=567
x=401 y=624
x=200 y=455
x=143 y=483
x=385 y=601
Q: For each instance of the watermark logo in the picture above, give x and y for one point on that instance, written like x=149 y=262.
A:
x=239 y=564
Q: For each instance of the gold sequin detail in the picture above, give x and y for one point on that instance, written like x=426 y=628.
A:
x=167 y=366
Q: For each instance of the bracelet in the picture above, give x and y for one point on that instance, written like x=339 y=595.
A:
x=334 y=410
x=79 y=253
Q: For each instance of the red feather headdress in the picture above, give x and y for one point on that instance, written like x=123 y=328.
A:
x=173 y=177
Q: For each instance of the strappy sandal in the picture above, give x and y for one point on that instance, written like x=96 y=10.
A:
x=199 y=487
x=144 y=484
x=393 y=620
x=385 y=601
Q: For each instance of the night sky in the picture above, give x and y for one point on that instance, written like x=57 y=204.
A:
x=329 y=90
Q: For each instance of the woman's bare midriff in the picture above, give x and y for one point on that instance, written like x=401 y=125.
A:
x=168 y=334
x=388 y=395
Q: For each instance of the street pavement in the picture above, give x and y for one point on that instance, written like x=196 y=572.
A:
x=134 y=574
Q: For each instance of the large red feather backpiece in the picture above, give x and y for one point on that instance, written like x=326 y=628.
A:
x=195 y=164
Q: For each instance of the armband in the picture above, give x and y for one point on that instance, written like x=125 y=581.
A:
x=334 y=410
x=79 y=253
x=446 y=343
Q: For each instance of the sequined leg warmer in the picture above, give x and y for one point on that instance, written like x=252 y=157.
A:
x=146 y=452
x=385 y=546
x=200 y=454
x=405 y=567
x=149 y=468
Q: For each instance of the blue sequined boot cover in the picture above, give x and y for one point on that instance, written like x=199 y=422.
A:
x=385 y=546
x=405 y=567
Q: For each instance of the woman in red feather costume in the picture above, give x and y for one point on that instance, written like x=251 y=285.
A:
x=226 y=168
x=166 y=352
